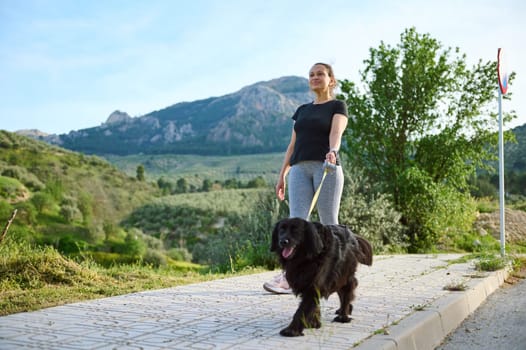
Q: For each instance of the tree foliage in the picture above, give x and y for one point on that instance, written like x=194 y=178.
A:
x=422 y=122
x=140 y=173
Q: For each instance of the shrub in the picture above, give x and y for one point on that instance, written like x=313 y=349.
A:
x=433 y=210
x=27 y=214
x=244 y=241
x=11 y=188
x=24 y=176
x=108 y=259
x=469 y=242
x=70 y=213
x=154 y=258
x=133 y=245
x=487 y=205
x=42 y=201
x=490 y=262
x=69 y=245
x=370 y=214
x=5 y=211
x=180 y=254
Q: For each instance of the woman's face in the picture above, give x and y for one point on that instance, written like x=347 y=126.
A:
x=319 y=79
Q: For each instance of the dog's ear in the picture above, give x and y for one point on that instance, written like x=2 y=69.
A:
x=312 y=240
x=365 y=255
x=274 y=240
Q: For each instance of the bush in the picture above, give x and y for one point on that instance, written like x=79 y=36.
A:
x=154 y=258
x=27 y=214
x=69 y=245
x=433 y=210
x=487 y=205
x=180 y=254
x=370 y=214
x=42 y=201
x=244 y=240
x=5 y=211
x=491 y=262
x=469 y=242
x=70 y=213
x=11 y=188
x=133 y=245
x=25 y=177
x=107 y=259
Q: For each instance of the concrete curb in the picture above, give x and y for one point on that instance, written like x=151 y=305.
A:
x=426 y=329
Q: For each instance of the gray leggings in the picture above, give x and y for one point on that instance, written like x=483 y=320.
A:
x=303 y=181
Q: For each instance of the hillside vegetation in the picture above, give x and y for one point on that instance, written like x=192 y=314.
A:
x=197 y=168
x=84 y=207
x=83 y=229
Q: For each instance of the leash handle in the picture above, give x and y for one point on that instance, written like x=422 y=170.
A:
x=329 y=166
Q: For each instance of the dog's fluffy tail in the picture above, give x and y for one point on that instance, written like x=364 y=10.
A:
x=365 y=253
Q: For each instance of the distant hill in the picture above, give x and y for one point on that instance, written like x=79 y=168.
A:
x=29 y=166
x=255 y=119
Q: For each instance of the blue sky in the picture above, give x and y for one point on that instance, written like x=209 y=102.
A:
x=66 y=65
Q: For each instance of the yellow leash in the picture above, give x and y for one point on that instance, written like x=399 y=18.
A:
x=326 y=167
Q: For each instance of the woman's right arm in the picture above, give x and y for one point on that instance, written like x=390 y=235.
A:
x=285 y=167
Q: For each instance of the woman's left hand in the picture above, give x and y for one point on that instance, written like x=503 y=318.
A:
x=331 y=157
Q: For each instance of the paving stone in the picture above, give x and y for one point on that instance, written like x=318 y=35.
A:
x=236 y=313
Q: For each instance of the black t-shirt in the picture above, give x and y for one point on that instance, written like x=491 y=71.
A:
x=313 y=126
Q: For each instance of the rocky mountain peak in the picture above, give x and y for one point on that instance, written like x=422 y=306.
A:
x=255 y=119
x=118 y=117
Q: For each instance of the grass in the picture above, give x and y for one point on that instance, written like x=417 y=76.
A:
x=33 y=278
x=491 y=262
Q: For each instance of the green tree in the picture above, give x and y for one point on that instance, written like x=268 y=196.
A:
x=165 y=185
x=42 y=201
x=85 y=205
x=134 y=246
x=207 y=185
x=182 y=185
x=258 y=182
x=55 y=188
x=140 y=172
x=69 y=212
x=231 y=183
x=423 y=125
x=110 y=230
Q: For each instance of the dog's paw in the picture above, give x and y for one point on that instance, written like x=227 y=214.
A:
x=290 y=332
x=342 y=319
x=313 y=324
x=339 y=311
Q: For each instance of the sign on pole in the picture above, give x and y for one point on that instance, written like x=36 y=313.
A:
x=503 y=88
x=502 y=72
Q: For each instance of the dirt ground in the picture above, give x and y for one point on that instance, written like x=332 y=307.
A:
x=515 y=225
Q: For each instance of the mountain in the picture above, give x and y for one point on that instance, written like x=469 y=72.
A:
x=255 y=119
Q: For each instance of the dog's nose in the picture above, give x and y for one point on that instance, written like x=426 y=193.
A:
x=284 y=242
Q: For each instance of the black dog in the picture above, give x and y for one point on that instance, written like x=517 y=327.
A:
x=318 y=260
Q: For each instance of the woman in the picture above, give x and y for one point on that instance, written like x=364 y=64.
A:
x=316 y=138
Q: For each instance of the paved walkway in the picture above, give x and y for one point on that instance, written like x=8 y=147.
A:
x=401 y=295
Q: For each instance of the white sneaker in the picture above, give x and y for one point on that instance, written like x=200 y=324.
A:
x=278 y=285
